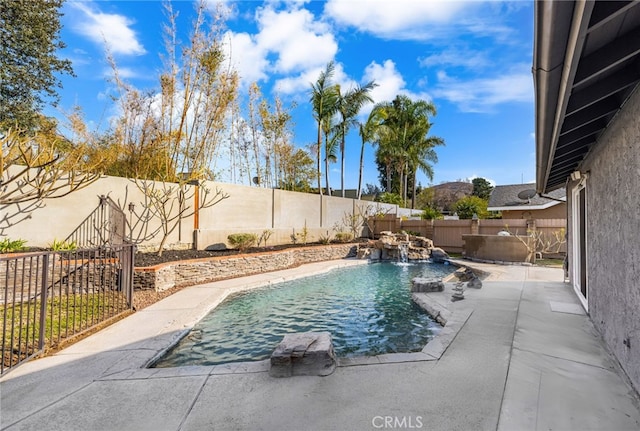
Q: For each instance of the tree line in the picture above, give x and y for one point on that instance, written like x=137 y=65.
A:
x=190 y=126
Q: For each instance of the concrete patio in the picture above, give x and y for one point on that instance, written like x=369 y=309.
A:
x=525 y=358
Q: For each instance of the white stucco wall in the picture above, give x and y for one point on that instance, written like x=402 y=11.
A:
x=246 y=210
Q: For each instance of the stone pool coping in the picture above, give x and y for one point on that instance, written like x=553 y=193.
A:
x=450 y=316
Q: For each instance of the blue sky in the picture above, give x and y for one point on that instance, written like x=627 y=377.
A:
x=471 y=59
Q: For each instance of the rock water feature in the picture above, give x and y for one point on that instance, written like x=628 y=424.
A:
x=312 y=353
x=401 y=247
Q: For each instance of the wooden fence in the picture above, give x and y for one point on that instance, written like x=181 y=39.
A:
x=447 y=234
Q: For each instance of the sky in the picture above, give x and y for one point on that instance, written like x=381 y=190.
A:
x=471 y=59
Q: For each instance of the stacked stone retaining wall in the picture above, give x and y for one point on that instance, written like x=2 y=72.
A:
x=191 y=272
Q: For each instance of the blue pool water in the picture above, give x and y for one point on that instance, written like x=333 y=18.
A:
x=367 y=309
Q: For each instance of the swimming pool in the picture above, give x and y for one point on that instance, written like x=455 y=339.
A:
x=367 y=309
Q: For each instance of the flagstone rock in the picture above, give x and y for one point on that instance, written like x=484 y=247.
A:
x=303 y=354
x=423 y=285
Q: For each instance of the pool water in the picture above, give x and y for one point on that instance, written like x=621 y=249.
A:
x=367 y=309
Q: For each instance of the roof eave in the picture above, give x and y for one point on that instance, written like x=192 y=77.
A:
x=525 y=207
x=559 y=34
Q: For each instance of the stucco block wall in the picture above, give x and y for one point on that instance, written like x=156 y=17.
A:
x=246 y=210
x=496 y=248
x=58 y=218
x=613 y=236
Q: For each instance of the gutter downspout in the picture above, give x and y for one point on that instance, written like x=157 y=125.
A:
x=575 y=43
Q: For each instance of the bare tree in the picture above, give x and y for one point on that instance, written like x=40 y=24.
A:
x=170 y=137
x=38 y=167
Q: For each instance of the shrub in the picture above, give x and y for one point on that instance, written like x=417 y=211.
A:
x=343 y=236
x=58 y=245
x=430 y=214
x=10 y=246
x=324 y=239
x=390 y=198
x=264 y=236
x=470 y=205
x=242 y=241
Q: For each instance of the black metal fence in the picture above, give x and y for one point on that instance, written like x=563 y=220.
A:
x=105 y=225
x=48 y=297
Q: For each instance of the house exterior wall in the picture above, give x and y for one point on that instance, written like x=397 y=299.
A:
x=556 y=211
x=613 y=236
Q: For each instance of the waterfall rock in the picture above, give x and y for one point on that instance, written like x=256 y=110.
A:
x=438 y=255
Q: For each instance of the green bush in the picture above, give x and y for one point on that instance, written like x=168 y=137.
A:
x=324 y=239
x=343 y=236
x=58 y=245
x=390 y=198
x=10 y=246
x=242 y=241
x=470 y=205
x=430 y=214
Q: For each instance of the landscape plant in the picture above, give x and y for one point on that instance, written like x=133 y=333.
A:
x=166 y=139
x=539 y=243
x=469 y=206
x=40 y=166
x=431 y=214
x=11 y=246
x=264 y=236
x=242 y=241
x=62 y=245
x=343 y=237
x=324 y=238
x=30 y=67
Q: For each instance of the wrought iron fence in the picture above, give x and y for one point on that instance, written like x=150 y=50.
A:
x=48 y=297
x=105 y=225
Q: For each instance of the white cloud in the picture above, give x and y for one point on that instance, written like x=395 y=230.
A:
x=389 y=80
x=455 y=57
x=112 y=29
x=290 y=44
x=484 y=94
x=297 y=83
x=390 y=83
x=123 y=73
x=405 y=19
x=299 y=41
x=474 y=176
x=246 y=57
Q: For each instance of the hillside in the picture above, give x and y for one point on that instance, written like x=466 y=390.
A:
x=446 y=194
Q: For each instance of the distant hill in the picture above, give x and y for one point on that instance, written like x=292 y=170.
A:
x=446 y=194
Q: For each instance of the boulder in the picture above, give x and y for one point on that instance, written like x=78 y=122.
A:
x=363 y=253
x=438 y=255
x=475 y=283
x=421 y=241
x=424 y=285
x=303 y=354
x=418 y=254
x=464 y=274
x=376 y=254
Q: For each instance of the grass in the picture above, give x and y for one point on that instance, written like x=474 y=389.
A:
x=66 y=316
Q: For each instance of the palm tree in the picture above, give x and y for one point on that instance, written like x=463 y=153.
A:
x=420 y=158
x=349 y=105
x=367 y=132
x=324 y=104
x=330 y=148
x=405 y=127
